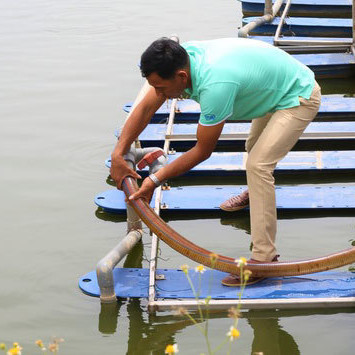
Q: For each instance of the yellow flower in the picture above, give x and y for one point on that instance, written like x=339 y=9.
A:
x=39 y=343
x=200 y=269
x=15 y=351
x=2 y=346
x=185 y=268
x=171 y=349
x=233 y=333
x=241 y=261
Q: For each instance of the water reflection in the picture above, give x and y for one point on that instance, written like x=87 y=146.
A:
x=270 y=338
x=238 y=220
x=150 y=333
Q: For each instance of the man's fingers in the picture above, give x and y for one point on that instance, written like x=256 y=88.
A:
x=133 y=174
x=135 y=196
x=132 y=197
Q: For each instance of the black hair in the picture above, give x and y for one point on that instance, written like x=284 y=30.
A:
x=164 y=57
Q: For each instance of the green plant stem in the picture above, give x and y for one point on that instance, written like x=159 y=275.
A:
x=220 y=345
x=195 y=322
x=196 y=296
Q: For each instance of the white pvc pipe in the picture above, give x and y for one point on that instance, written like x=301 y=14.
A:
x=244 y=31
x=106 y=265
x=268 y=7
x=282 y=19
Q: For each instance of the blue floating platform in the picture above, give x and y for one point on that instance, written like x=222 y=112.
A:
x=172 y=284
x=233 y=163
x=322 y=132
x=329 y=65
x=324 y=65
x=334 y=107
x=311 y=8
x=270 y=39
x=209 y=198
x=305 y=26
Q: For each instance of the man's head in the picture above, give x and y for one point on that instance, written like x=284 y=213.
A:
x=165 y=64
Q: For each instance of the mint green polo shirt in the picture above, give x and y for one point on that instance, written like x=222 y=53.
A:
x=242 y=79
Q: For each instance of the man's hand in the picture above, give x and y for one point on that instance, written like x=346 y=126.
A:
x=120 y=169
x=135 y=124
x=145 y=192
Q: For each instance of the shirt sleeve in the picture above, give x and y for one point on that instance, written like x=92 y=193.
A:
x=217 y=102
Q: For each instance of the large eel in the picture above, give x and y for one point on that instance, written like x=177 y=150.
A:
x=224 y=263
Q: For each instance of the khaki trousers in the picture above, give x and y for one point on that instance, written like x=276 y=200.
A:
x=271 y=137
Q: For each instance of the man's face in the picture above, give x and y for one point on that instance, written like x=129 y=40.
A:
x=170 y=88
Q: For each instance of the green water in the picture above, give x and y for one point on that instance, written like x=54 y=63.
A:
x=66 y=69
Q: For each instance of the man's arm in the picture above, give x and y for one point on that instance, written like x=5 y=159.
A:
x=207 y=137
x=135 y=124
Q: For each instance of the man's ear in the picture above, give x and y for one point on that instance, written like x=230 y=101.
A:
x=182 y=74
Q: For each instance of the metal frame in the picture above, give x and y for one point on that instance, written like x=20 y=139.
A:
x=290 y=45
x=243 y=136
x=293 y=303
x=314 y=45
x=155 y=240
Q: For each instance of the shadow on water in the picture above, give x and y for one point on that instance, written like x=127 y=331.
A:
x=150 y=333
x=239 y=219
x=337 y=85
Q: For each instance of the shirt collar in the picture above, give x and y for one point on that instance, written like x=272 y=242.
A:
x=191 y=92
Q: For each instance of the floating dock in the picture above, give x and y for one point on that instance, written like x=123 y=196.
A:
x=183 y=136
x=208 y=198
x=326 y=289
x=305 y=26
x=166 y=288
x=333 y=107
x=304 y=8
x=234 y=163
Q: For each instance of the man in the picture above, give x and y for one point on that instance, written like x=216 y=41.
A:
x=233 y=79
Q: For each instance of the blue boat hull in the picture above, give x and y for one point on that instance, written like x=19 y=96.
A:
x=306 y=8
x=309 y=27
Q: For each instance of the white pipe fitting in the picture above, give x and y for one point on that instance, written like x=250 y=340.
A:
x=104 y=268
